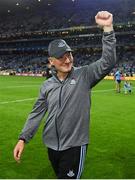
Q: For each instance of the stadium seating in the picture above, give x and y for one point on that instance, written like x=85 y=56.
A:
x=26 y=32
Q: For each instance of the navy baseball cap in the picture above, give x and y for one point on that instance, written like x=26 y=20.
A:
x=57 y=48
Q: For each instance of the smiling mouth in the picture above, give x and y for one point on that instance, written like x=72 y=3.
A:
x=67 y=65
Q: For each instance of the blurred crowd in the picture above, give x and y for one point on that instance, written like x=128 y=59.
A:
x=37 y=63
x=26 y=32
x=63 y=14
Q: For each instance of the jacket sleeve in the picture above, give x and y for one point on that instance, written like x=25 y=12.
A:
x=35 y=117
x=99 y=69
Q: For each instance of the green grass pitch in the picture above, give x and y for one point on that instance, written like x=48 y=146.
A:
x=111 y=152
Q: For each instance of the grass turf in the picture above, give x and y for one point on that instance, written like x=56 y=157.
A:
x=111 y=153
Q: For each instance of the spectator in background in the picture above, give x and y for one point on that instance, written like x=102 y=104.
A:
x=117 y=77
x=127 y=87
x=48 y=73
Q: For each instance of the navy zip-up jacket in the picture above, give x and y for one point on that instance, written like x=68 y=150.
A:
x=68 y=102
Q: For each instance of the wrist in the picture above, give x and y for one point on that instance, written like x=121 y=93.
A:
x=22 y=140
x=108 y=28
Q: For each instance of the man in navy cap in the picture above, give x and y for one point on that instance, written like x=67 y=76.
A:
x=66 y=98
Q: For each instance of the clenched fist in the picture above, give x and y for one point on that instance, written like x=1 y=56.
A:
x=105 y=20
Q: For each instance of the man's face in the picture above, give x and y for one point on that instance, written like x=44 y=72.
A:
x=63 y=64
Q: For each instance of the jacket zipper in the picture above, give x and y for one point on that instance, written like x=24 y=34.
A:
x=56 y=116
x=57 y=134
x=56 y=125
x=60 y=96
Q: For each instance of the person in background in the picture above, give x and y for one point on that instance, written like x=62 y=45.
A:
x=127 y=87
x=117 y=77
x=48 y=73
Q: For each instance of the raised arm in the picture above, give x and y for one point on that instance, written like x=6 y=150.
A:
x=99 y=69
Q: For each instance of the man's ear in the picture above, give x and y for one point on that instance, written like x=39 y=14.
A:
x=50 y=61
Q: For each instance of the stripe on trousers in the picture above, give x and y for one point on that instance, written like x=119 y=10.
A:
x=82 y=158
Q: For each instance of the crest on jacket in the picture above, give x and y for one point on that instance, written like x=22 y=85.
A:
x=73 y=81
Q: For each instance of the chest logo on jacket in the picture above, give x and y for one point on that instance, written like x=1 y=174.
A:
x=73 y=82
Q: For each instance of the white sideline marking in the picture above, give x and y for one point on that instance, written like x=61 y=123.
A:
x=30 y=99
x=8 y=87
x=104 y=90
x=19 y=100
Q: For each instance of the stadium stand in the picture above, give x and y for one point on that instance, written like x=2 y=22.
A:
x=26 y=30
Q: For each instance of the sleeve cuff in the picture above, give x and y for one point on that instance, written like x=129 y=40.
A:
x=22 y=139
x=108 y=33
